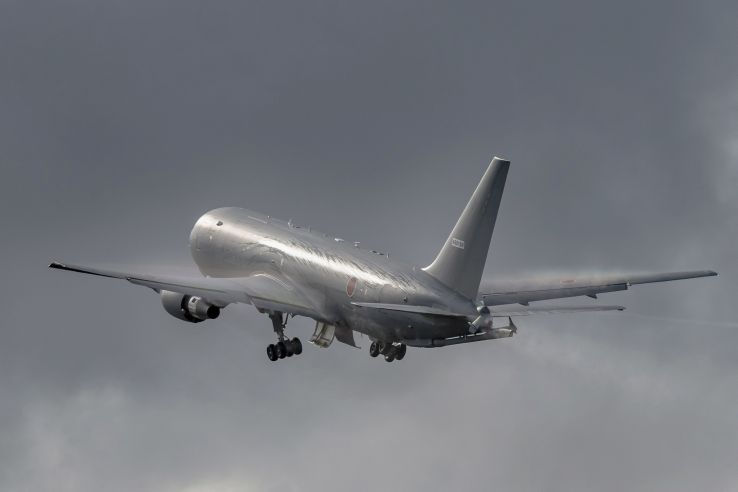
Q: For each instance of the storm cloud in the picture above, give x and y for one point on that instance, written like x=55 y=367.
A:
x=122 y=122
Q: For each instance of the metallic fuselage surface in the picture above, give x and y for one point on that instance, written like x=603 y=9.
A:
x=332 y=274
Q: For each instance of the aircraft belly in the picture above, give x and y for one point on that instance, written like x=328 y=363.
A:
x=395 y=326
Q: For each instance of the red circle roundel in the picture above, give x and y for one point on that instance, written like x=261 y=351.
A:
x=351 y=287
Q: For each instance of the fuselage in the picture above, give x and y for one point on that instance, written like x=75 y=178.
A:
x=331 y=273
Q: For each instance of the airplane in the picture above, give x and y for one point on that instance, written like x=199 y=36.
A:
x=285 y=270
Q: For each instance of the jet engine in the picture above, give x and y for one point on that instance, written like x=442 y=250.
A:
x=188 y=308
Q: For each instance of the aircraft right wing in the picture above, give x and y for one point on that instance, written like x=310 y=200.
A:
x=528 y=290
x=553 y=310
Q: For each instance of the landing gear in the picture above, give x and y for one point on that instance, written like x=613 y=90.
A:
x=272 y=352
x=296 y=346
x=284 y=347
x=385 y=348
x=374 y=349
x=281 y=350
x=389 y=350
x=401 y=350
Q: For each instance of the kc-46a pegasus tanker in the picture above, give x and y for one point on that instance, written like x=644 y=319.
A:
x=285 y=270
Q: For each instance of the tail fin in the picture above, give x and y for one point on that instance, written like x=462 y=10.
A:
x=460 y=262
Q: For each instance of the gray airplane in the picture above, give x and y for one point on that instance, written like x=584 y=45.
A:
x=286 y=270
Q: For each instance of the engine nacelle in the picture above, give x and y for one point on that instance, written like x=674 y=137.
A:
x=188 y=308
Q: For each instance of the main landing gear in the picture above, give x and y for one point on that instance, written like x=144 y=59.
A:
x=391 y=351
x=284 y=347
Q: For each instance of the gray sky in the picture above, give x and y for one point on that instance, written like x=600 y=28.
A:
x=122 y=122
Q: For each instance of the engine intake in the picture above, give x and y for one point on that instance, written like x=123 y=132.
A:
x=188 y=308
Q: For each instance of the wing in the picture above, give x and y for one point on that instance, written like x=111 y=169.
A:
x=263 y=291
x=431 y=311
x=553 y=310
x=525 y=291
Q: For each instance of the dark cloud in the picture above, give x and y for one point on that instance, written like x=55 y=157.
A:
x=122 y=122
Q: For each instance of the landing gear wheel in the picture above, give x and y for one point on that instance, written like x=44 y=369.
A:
x=400 y=352
x=374 y=349
x=284 y=347
x=296 y=346
x=390 y=357
x=281 y=350
x=272 y=352
x=385 y=348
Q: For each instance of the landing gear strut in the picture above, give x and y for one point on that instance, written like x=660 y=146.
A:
x=284 y=347
x=389 y=350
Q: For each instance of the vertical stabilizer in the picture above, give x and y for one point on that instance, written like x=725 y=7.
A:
x=460 y=262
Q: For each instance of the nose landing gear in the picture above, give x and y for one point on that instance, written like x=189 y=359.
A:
x=391 y=351
x=284 y=347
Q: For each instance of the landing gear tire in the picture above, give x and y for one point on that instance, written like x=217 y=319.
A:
x=272 y=352
x=296 y=346
x=281 y=350
x=374 y=349
x=400 y=352
x=284 y=347
x=390 y=351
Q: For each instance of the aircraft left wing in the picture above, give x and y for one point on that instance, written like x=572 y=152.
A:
x=262 y=290
x=524 y=291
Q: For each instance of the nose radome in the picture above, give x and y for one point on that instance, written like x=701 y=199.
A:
x=207 y=223
x=201 y=228
x=196 y=231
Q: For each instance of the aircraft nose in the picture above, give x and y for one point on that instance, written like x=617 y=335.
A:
x=200 y=227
